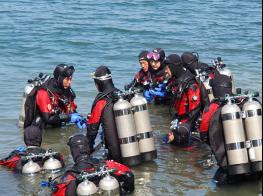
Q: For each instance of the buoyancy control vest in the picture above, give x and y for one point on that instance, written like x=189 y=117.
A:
x=61 y=101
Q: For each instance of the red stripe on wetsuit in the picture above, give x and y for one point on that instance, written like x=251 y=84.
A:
x=206 y=117
x=96 y=112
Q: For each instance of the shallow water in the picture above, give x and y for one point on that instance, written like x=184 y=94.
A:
x=37 y=35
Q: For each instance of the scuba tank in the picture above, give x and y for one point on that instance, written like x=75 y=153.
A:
x=209 y=89
x=86 y=188
x=28 y=88
x=53 y=165
x=31 y=84
x=252 y=111
x=235 y=139
x=126 y=132
x=143 y=128
x=109 y=186
x=30 y=167
x=221 y=67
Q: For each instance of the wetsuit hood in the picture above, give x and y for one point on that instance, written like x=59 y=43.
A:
x=79 y=147
x=190 y=61
x=102 y=78
x=61 y=72
x=174 y=63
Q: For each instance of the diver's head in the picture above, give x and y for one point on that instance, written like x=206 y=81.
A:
x=190 y=60
x=102 y=78
x=144 y=61
x=79 y=147
x=63 y=74
x=174 y=67
x=156 y=58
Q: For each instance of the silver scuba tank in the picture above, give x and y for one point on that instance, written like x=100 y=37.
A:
x=143 y=128
x=109 y=186
x=126 y=132
x=52 y=165
x=235 y=141
x=209 y=89
x=30 y=168
x=28 y=88
x=252 y=111
x=86 y=188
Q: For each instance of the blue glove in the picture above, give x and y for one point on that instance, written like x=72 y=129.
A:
x=21 y=148
x=75 y=117
x=82 y=124
x=148 y=96
x=157 y=93
x=161 y=87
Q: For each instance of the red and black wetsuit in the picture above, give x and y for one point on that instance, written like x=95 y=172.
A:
x=158 y=76
x=54 y=104
x=16 y=162
x=206 y=118
x=141 y=81
x=102 y=113
x=68 y=184
x=187 y=98
x=142 y=78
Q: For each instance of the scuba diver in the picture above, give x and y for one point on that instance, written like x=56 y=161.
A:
x=52 y=103
x=20 y=160
x=73 y=181
x=191 y=62
x=186 y=101
x=102 y=113
x=157 y=90
x=238 y=153
x=221 y=86
x=142 y=78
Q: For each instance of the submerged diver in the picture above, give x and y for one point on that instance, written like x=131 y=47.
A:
x=186 y=101
x=53 y=102
x=83 y=162
x=102 y=113
x=18 y=158
x=142 y=78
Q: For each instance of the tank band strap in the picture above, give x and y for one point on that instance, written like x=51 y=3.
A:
x=256 y=143
x=235 y=146
x=140 y=108
x=231 y=116
x=128 y=140
x=251 y=113
x=122 y=112
x=146 y=135
x=209 y=91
